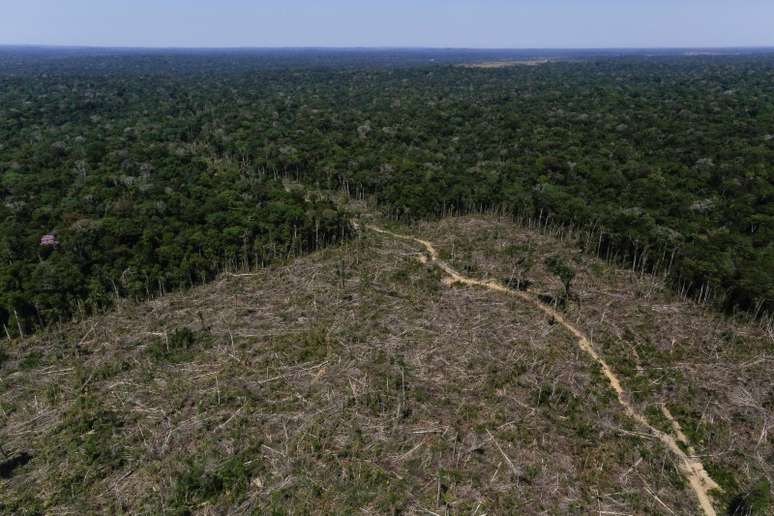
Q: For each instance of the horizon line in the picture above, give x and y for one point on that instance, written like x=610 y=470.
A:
x=373 y=47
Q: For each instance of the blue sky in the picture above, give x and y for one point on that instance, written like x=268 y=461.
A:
x=434 y=23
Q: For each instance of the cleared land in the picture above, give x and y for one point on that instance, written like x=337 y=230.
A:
x=691 y=466
x=355 y=378
x=507 y=64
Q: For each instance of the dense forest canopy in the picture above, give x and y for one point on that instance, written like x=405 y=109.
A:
x=132 y=172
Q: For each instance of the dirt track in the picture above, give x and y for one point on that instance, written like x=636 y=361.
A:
x=690 y=465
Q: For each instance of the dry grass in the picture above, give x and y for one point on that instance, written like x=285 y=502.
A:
x=355 y=380
x=711 y=372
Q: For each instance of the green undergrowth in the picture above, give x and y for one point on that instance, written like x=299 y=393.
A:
x=178 y=346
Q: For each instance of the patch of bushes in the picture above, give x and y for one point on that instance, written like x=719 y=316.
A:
x=88 y=444
x=90 y=430
x=753 y=502
x=25 y=505
x=425 y=278
x=314 y=345
x=31 y=360
x=178 y=346
x=553 y=395
x=197 y=484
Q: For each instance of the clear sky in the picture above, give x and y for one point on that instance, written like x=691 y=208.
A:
x=393 y=23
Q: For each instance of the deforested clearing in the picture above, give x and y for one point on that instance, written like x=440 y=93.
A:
x=357 y=379
x=507 y=63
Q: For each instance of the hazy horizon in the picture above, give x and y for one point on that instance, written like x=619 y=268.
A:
x=401 y=24
x=396 y=47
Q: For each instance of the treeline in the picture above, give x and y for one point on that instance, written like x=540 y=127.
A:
x=152 y=171
x=101 y=213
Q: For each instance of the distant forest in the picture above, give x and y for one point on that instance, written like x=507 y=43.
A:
x=129 y=173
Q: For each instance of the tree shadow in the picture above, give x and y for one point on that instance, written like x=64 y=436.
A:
x=9 y=466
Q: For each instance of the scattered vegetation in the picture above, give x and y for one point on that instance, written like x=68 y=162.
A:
x=755 y=501
x=355 y=379
x=178 y=346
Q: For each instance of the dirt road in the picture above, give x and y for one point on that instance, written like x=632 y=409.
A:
x=690 y=465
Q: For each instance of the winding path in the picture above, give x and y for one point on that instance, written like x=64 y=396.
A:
x=690 y=465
